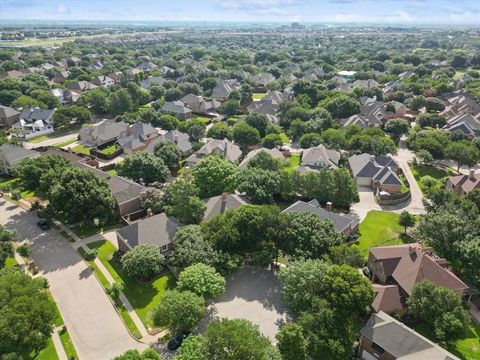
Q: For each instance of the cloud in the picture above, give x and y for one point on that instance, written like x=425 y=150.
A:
x=62 y=9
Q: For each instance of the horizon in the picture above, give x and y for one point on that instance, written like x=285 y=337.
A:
x=365 y=12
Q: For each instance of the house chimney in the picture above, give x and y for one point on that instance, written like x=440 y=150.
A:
x=411 y=249
x=149 y=212
x=471 y=174
x=225 y=147
x=329 y=206
x=374 y=97
x=175 y=138
x=223 y=206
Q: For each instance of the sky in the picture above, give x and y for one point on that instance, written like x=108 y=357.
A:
x=463 y=12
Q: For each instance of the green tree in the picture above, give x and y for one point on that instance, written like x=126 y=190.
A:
x=440 y=308
x=220 y=131
x=265 y=161
x=213 y=176
x=151 y=198
x=120 y=102
x=30 y=170
x=179 y=310
x=169 y=152
x=258 y=121
x=345 y=255
x=191 y=248
x=202 y=280
x=272 y=140
x=237 y=339
x=78 y=195
x=193 y=348
x=258 y=184
x=143 y=262
x=341 y=106
x=302 y=282
x=245 y=135
x=146 y=167
x=182 y=202
x=396 y=127
x=230 y=107
x=27 y=315
x=148 y=354
x=291 y=342
x=463 y=152
x=406 y=220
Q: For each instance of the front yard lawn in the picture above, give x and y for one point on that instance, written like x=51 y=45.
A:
x=420 y=171
x=294 y=162
x=68 y=345
x=143 y=297
x=82 y=149
x=85 y=231
x=47 y=353
x=380 y=228
x=10 y=262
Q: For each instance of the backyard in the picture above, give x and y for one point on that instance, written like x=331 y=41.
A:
x=419 y=171
x=380 y=228
x=294 y=162
x=82 y=149
x=143 y=297
x=203 y=119
x=258 y=96
x=109 y=150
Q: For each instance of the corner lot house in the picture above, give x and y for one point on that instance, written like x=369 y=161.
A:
x=396 y=269
x=11 y=155
x=102 y=133
x=378 y=172
x=154 y=230
x=463 y=184
x=344 y=224
x=35 y=122
x=385 y=338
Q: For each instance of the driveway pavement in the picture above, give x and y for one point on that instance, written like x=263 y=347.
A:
x=95 y=328
x=253 y=294
x=50 y=142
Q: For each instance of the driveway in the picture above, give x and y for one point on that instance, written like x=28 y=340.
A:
x=95 y=328
x=50 y=142
x=253 y=294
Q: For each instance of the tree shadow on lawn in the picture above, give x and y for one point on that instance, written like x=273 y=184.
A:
x=254 y=284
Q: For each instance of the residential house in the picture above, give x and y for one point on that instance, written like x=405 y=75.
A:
x=177 y=108
x=225 y=148
x=261 y=81
x=393 y=86
x=314 y=73
x=406 y=75
x=150 y=81
x=157 y=230
x=463 y=184
x=8 y=116
x=460 y=103
x=466 y=123
x=345 y=88
x=399 y=110
x=222 y=90
x=35 y=122
x=274 y=153
x=73 y=61
x=81 y=86
x=400 y=267
x=59 y=94
x=199 y=105
x=103 y=81
x=365 y=84
x=378 y=172
x=11 y=155
x=12 y=74
x=361 y=121
x=102 y=133
x=372 y=108
x=317 y=158
x=180 y=139
x=344 y=224
x=147 y=66
x=217 y=205
x=264 y=107
x=97 y=65
x=385 y=338
x=137 y=137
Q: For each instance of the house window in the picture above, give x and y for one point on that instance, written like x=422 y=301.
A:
x=377 y=350
x=164 y=248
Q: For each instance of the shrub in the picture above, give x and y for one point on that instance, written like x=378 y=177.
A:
x=143 y=262
x=16 y=195
x=114 y=291
x=24 y=250
x=428 y=181
x=90 y=254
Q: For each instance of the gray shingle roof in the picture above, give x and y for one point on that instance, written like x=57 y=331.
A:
x=156 y=230
x=6 y=112
x=14 y=153
x=219 y=204
x=275 y=153
x=320 y=157
x=340 y=221
x=32 y=115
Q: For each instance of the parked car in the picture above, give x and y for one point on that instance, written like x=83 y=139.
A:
x=176 y=342
x=43 y=224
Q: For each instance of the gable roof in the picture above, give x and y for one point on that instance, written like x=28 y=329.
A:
x=400 y=341
x=156 y=230
x=466 y=182
x=361 y=121
x=6 y=112
x=340 y=221
x=105 y=131
x=32 y=115
x=226 y=148
x=387 y=298
x=414 y=264
x=217 y=205
x=366 y=165
x=13 y=153
x=177 y=107
x=320 y=156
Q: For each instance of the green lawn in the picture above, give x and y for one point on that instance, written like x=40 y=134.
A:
x=68 y=345
x=14 y=184
x=81 y=149
x=109 y=150
x=58 y=316
x=294 y=162
x=258 y=96
x=203 y=119
x=112 y=172
x=380 y=228
x=420 y=171
x=284 y=138
x=143 y=297
x=467 y=348
x=48 y=353
x=65 y=143
x=85 y=231
x=38 y=139
x=10 y=262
